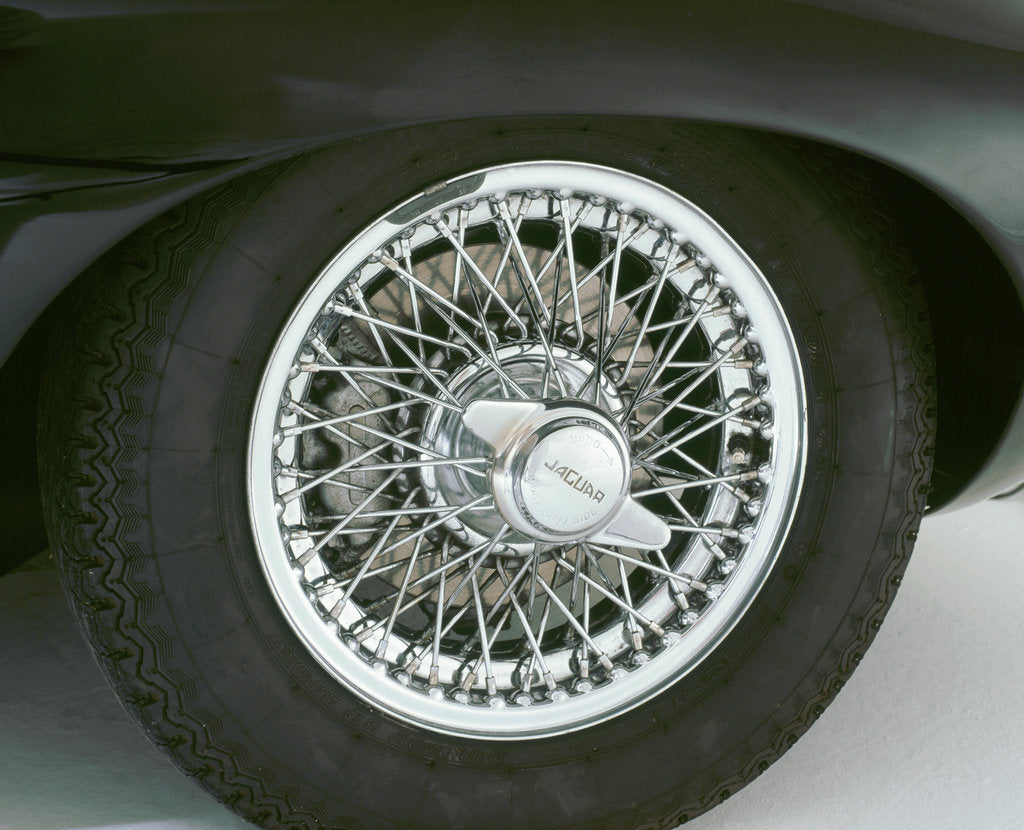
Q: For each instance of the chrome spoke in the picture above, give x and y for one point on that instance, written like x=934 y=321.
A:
x=515 y=448
x=291 y=495
x=369 y=560
x=535 y=648
x=323 y=423
x=643 y=463
x=411 y=281
x=671 y=442
x=652 y=301
x=570 y=256
x=704 y=375
x=642 y=563
x=356 y=372
x=663 y=358
x=474 y=270
x=392 y=328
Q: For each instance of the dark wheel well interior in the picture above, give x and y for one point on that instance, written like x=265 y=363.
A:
x=978 y=325
x=977 y=320
x=976 y=313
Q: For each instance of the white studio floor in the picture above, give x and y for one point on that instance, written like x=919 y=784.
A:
x=929 y=733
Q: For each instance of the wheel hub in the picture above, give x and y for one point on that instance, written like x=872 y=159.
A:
x=446 y=433
x=561 y=473
x=572 y=481
x=561 y=470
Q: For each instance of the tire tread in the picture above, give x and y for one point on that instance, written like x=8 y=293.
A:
x=102 y=384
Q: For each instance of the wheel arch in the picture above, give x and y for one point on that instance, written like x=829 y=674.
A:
x=953 y=256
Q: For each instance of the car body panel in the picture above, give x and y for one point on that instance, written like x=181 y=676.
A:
x=111 y=112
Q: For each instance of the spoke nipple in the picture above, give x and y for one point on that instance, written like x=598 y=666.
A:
x=656 y=629
x=583 y=665
x=435 y=672
x=714 y=590
x=549 y=680
x=468 y=681
x=604 y=661
x=413 y=665
x=492 y=686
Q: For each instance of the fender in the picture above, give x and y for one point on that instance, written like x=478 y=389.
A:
x=111 y=112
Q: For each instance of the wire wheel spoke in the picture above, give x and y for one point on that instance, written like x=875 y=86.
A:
x=388 y=526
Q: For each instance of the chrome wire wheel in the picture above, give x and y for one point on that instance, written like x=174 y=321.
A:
x=526 y=450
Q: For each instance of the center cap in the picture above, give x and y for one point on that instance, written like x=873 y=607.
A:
x=573 y=479
x=561 y=473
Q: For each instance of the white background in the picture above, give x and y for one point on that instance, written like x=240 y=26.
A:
x=929 y=732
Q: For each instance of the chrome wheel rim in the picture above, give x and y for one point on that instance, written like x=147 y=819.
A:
x=456 y=369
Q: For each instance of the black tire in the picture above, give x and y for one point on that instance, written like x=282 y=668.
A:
x=145 y=418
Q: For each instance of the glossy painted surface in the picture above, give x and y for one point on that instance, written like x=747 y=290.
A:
x=110 y=112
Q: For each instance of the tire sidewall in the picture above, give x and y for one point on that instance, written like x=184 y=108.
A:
x=717 y=723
